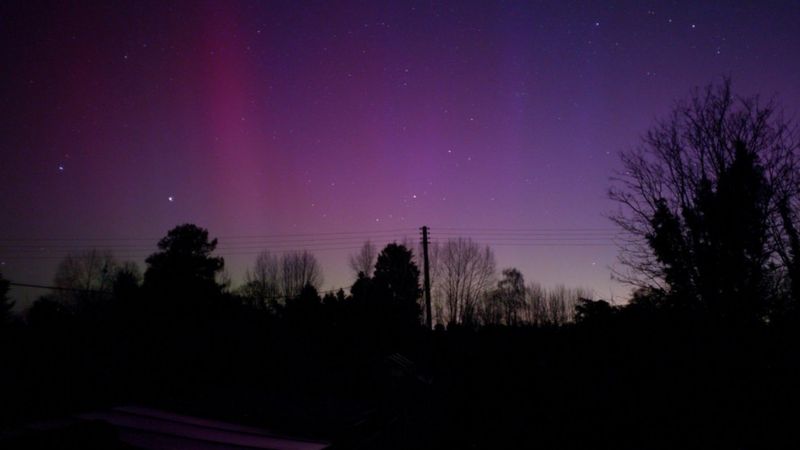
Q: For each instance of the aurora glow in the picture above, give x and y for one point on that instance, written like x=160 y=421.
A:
x=254 y=118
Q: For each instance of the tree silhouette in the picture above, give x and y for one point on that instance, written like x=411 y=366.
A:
x=298 y=270
x=717 y=253
x=184 y=264
x=46 y=313
x=561 y=303
x=535 y=312
x=305 y=308
x=593 y=311
x=502 y=306
x=511 y=294
x=85 y=278
x=363 y=287
x=790 y=253
x=5 y=303
x=262 y=284
x=396 y=281
x=127 y=282
x=364 y=260
x=492 y=309
x=464 y=273
x=700 y=203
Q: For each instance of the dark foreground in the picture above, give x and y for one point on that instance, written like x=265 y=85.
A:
x=610 y=383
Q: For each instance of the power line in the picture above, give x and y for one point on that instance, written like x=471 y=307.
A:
x=56 y=288
x=40 y=249
x=545 y=244
x=532 y=229
x=530 y=233
x=97 y=291
x=410 y=231
x=341 y=234
x=146 y=254
x=323 y=241
x=543 y=238
x=298 y=246
x=53 y=255
x=284 y=242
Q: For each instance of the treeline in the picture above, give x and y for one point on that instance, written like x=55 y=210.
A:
x=466 y=289
x=111 y=333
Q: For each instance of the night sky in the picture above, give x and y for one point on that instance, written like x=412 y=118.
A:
x=317 y=125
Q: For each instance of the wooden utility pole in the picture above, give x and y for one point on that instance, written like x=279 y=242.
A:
x=427 y=278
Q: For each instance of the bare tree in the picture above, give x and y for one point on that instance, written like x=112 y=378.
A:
x=464 y=274
x=536 y=304
x=85 y=277
x=298 y=269
x=364 y=260
x=262 y=284
x=557 y=305
x=551 y=307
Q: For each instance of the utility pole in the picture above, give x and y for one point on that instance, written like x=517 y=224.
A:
x=427 y=278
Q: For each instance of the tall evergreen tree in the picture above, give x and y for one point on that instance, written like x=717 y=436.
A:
x=184 y=265
x=396 y=281
x=715 y=254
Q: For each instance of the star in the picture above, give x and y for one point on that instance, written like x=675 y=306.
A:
x=171 y=198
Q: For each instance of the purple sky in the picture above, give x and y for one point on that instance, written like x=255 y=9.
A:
x=267 y=118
